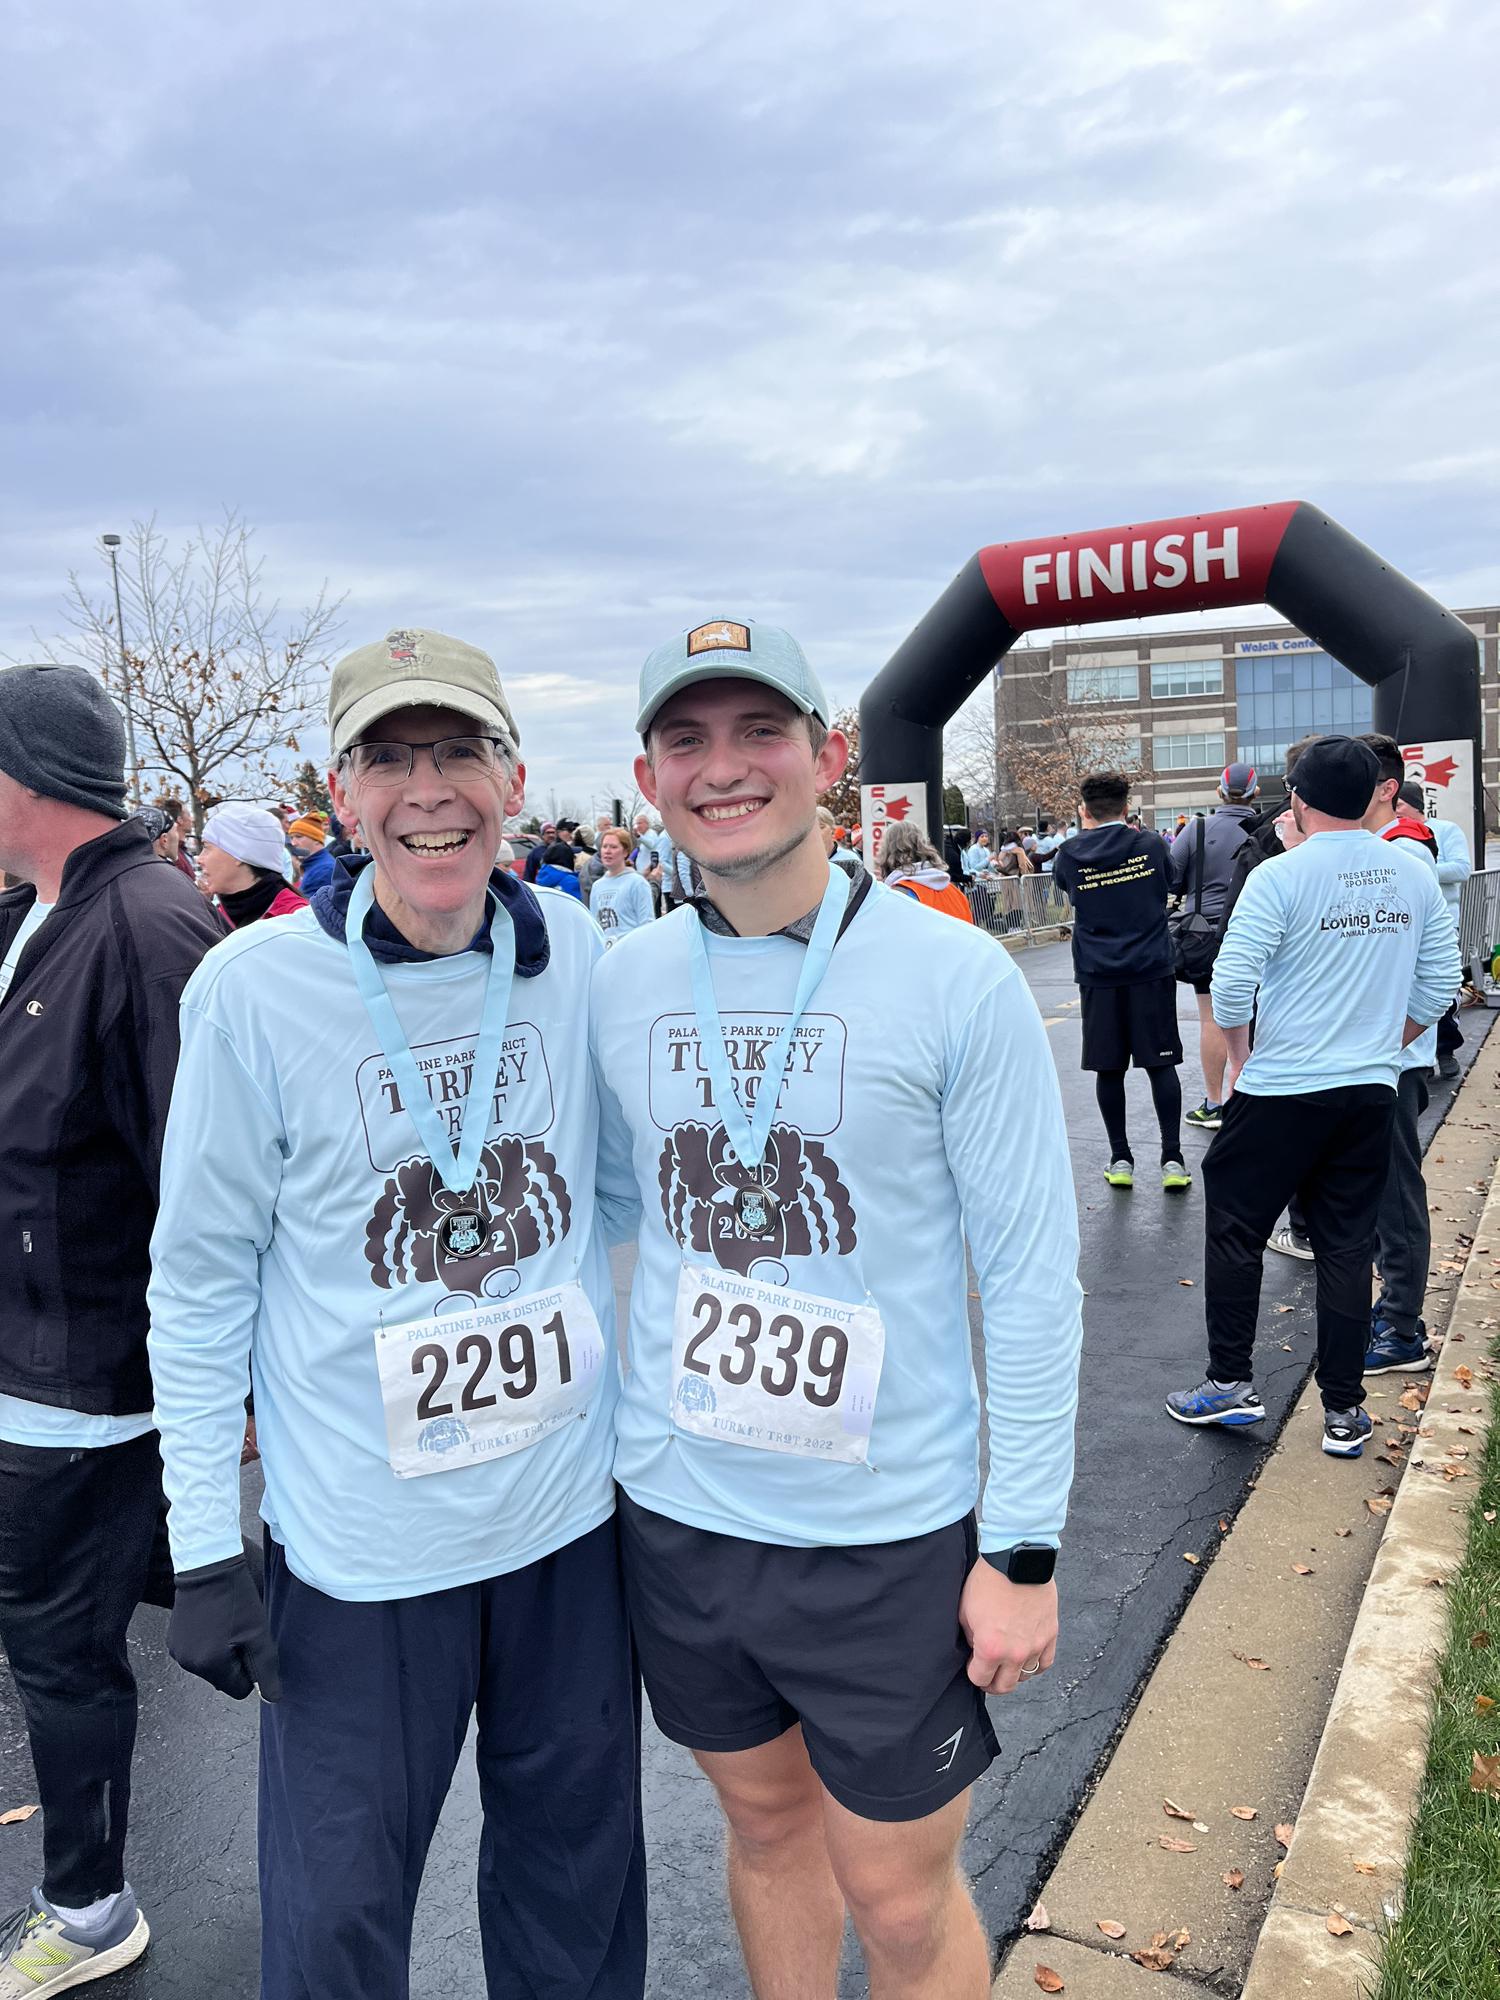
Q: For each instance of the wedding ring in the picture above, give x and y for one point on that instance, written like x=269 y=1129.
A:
x=1034 y=1668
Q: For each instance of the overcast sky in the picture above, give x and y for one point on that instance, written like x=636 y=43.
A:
x=564 y=329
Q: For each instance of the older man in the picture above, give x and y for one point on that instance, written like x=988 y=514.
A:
x=95 y=949
x=379 y=1194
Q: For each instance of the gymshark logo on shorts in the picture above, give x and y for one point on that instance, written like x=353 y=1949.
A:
x=949 y=1745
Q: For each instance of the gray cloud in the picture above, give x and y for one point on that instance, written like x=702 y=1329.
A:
x=562 y=333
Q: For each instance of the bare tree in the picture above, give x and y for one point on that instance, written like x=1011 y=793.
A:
x=219 y=681
x=1042 y=762
x=970 y=753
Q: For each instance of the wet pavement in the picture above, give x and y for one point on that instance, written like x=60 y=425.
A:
x=1147 y=1490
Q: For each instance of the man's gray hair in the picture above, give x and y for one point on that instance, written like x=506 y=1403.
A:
x=903 y=845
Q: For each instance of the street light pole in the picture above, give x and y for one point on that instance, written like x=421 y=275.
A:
x=112 y=543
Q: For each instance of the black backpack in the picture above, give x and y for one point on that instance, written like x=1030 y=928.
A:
x=1195 y=938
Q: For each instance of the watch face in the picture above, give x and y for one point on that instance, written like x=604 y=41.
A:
x=1031 y=1565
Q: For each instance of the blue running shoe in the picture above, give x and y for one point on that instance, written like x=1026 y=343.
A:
x=1344 y=1432
x=1392 y=1353
x=1227 y=1403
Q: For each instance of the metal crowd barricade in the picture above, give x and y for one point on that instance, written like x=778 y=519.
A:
x=1479 y=926
x=1020 y=908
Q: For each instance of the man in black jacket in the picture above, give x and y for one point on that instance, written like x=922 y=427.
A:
x=1218 y=839
x=95 y=948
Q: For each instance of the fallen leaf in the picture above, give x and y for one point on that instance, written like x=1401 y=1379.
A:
x=1301 y=1569
x=1109 y=1927
x=1483 y=1703
x=1339 y=1926
x=1478 y=1641
x=17 y=1814
x=1175 y=1846
x=1364 y=1867
x=1039 y=1920
x=1186 y=1281
x=1343 y=1533
x=1175 y=1811
x=1154 y=1960
x=1379 y=1504
x=1233 y=1878
x=1286 y=1309
x=1243 y=1812
x=1412 y=1398
x=1191 y=1558
x=1276 y=1871
x=1464 y=1377
x=1223 y=1525
x=1181 y=1939
x=1260 y=1666
x=1048 y=1980
x=1284 y=1831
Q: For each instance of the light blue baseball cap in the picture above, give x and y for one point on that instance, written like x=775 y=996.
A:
x=731 y=649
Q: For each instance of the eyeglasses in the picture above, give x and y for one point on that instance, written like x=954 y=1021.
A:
x=463 y=760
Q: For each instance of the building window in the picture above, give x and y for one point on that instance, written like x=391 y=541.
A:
x=1103 y=683
x=1193 y=750
x=1115 y=750
x=1173 y=678
x=1287 y=696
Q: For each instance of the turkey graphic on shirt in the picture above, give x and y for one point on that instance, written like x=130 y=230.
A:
x=699 y=1178
x=524 y=1198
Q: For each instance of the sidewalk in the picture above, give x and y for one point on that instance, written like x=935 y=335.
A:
x=1229 y=1726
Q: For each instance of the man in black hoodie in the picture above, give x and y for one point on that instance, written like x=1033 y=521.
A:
x=96 y=946
x=1115 y=875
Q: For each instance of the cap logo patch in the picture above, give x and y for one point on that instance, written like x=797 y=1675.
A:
x=401 y=645
x=721 y=637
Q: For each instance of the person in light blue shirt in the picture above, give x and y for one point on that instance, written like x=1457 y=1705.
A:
x=978 y=860
x=1454 y=868
x=621 y=898
x=814 y=1095
x=1342 y=952
x=378 y=1201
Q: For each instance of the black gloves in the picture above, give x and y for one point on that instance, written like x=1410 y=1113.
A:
x=218 y=1630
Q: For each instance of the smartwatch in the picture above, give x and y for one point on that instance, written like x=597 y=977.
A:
x=1027 y=1562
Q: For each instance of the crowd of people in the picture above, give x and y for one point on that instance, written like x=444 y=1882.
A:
x=343 y=1124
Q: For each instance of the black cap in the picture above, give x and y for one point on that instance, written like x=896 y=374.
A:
x=61 y=735
x=1337 y=775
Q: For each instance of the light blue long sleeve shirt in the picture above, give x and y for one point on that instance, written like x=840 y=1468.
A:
x=1454 y=866
x=1330 y=948
x=297 y=1217
x=919 y=1108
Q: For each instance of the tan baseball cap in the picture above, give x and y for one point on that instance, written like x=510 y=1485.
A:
x=411 y=668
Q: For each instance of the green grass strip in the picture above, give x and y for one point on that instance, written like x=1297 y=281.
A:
x=1446 y=1944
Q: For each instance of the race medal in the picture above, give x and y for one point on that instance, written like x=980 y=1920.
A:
x=464 y=1231
x=756 y=1210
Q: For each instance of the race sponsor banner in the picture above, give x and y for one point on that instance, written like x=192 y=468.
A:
x=1445 y=771
x=881 y=806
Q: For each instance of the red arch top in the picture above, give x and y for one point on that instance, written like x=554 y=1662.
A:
x=1202 y=562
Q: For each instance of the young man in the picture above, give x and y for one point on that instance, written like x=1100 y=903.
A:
x=378 y=1199
x=813 y=1090
x=1403 y=1228
x=1115 y=875
x=94 y=953
x=1225 y=834
x=1342 y=953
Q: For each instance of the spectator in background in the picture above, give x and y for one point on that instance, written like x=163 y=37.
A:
x=844 y=855
x=977 y=857
x=1453 y=869
x=556 y=870
x=621 y=899
x=239 y=865
x=675 y=881
x=538 y=854
x=643 y=855
x=1013 y=859
x=306 y=836
x=95 y=950
x=1115 y=875
x=908 y=863
x=1224 y=834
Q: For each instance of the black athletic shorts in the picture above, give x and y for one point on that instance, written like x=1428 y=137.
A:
x=739 y=1640
x=1131 y=1024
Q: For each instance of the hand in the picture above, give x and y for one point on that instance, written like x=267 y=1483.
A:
x=1008 y=1625
x=218 y=1631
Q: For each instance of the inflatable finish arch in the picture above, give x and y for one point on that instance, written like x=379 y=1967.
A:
x=1422 y=661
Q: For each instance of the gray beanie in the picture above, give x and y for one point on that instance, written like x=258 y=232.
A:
x=61 y=735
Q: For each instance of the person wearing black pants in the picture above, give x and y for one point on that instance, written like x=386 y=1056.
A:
x=1341 y=950
x=1115 y=876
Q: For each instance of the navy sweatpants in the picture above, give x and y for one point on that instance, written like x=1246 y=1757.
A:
x=357 y=1757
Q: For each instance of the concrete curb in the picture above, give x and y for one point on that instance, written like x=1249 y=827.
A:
x=1367 y=1776
x=1286 y=1589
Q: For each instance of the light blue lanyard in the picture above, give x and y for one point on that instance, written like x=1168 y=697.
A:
x=457 y=1167
x=747 y=1136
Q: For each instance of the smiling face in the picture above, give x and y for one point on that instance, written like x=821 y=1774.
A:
x=433 y=837
x=732 y=771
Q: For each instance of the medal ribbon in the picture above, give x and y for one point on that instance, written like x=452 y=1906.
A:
x=456 y=1166
x=747 y=1136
